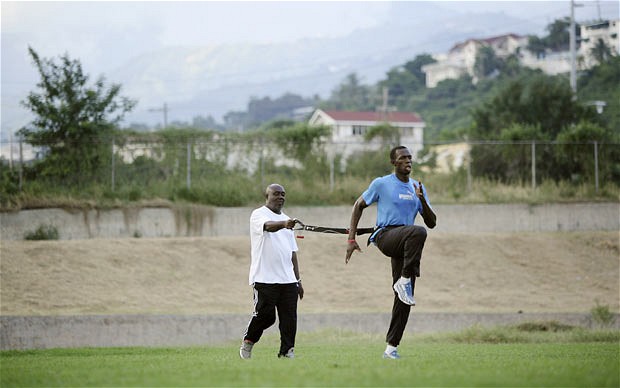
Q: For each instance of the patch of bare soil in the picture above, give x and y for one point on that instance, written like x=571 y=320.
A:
x=531 y=272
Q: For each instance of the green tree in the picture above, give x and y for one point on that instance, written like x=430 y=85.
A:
x=535 y=99
x=530 y=108
x=415 y=66
x=536 y=46
x=601 y=83
x=72 y=120
x=389 y=135
x=575 y=151
x=486 y=62
x=600 y=51
x=300 y=140
x=406 y=80
x=558 y=38
x=351 y=95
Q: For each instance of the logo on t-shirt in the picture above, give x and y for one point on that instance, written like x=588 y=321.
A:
x=406 y=197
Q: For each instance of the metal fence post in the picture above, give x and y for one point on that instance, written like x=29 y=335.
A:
x=331 y=173
x=533 y=165
x=468 y=165
x=262 y=163
x=596 y=166
x=189 y=165
x=21 y=165
x=113 y=167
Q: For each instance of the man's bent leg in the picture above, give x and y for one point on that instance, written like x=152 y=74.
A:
x=406 y=242
x=265 y=298
x=415 y=237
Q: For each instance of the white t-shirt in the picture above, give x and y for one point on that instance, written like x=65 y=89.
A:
x=271 y=251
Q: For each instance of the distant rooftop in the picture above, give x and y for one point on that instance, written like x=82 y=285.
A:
x=401 y=117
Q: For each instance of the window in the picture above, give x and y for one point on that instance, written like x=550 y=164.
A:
x=358 y=130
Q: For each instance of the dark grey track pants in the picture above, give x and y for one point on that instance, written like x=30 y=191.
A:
x=403 y=244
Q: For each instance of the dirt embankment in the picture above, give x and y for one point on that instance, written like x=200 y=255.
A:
x=491 y=272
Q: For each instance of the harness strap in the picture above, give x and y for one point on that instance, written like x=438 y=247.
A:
x=326 y=229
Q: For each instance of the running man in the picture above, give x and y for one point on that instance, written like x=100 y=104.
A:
x=399 y=199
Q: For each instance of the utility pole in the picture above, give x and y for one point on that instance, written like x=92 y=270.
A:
x=385 y=108
x=572 y=45
x=165 y=110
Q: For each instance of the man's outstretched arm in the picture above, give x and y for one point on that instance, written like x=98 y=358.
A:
x=356 y=214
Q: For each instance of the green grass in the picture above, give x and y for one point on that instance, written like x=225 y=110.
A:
x=333 y=358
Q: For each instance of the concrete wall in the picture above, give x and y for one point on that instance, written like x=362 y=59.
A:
x=198 y=330
x=195 y=220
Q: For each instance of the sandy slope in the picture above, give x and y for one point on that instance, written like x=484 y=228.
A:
x=543 y=272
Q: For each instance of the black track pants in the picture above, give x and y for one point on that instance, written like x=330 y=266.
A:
x=404 y=246
x=267 y=299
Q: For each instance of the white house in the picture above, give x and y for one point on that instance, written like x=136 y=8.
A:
x=348 y=129
x=461 y=58
x=606 y=30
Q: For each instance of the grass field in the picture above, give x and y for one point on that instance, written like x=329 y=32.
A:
x=474 y=357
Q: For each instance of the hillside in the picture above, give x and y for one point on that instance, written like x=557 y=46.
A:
x=484 y=272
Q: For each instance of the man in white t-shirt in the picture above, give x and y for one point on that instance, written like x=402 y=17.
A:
x=274 y=274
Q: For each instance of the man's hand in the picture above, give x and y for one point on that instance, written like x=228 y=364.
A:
x=290 y=223
x=418 y=190
x=351 y=246
x=300 y=290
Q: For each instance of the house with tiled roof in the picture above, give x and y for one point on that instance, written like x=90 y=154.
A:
x=349 y=128
x=461 y=58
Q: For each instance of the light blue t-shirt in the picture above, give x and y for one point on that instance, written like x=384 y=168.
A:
x=397 y=203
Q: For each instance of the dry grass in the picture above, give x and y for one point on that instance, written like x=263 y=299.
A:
x=486 y=272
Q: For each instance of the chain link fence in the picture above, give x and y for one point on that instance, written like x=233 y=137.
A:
x=183 y=164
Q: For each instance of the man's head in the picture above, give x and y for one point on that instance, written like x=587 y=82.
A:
x=400 y=157
x=274 y=197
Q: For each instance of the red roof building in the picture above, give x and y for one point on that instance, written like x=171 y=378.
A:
x=349 y=128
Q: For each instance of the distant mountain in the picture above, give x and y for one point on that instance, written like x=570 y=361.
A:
x=215 y=80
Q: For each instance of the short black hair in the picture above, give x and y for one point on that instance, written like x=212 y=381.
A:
x=270 y=186
x=393 y=151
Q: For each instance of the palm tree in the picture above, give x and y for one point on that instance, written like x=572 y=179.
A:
x=600 y=51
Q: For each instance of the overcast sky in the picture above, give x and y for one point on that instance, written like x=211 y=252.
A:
x=104 y=35
x=87 y=30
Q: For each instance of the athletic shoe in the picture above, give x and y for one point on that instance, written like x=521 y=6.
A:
x=245 y=351
x=393 y=355
x=289 y=354
x=405 y=292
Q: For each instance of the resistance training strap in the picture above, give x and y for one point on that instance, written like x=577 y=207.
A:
x=325 y=229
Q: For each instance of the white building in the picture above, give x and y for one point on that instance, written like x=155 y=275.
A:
x=349 y=128
x=461 y=58
x=607 y=30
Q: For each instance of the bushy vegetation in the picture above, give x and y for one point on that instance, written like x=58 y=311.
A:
x=43 y=232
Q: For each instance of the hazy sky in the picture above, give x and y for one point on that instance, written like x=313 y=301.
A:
x=104 y=35
x=87 y=30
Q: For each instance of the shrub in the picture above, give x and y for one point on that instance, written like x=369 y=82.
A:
x=551 y=326
x=601 y=315
x=43 y=232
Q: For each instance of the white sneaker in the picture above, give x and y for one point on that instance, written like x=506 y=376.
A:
x=289 y=354
x=404 y=291
x=245 y=351
x=393 y=355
